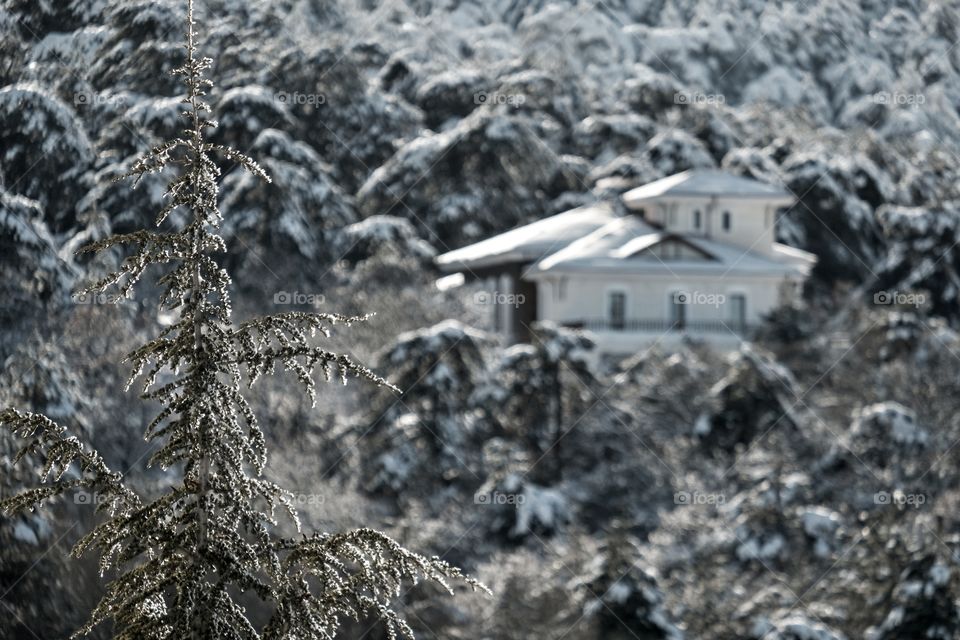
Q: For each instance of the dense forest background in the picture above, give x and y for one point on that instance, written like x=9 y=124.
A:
x=805 y=487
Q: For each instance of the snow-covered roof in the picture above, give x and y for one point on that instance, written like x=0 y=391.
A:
x=605 y=242
x=596 y=238
x=614 y=248
x=530 y=242
x=706 y=183
x=650 y=240
x=640 y=243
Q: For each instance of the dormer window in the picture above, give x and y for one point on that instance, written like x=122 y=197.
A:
x=696 y=219
x=726 y=221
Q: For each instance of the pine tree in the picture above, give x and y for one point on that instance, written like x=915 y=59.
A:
x=180 y=562
x=621 y=598
x=547 y=385
x=33 y=280
x=426 y=437
x=439 y=368
x=47 y=154
x=923 y=603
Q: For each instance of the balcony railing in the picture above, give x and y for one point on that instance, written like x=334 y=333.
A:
x=660 y=325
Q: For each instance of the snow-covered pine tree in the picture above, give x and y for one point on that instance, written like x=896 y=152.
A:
x=179 y=562
x=33 y=280
x=547 y=389
x=427 y=436
x=621 y=598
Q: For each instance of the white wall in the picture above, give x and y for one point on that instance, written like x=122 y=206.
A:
x=752 y=220
x=649 y=296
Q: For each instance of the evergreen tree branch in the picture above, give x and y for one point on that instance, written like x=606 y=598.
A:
x=180 y=560
x=45 y=438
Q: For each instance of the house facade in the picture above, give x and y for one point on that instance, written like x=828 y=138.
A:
x=695 y=255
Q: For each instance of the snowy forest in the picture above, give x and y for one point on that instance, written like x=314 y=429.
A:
x=260 y=198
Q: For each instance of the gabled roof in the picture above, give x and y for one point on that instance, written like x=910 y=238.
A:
x=610 y=250
x=529 y=242
x=602 y=243
x=595 y=238
x=706 y=183
x=643 y=244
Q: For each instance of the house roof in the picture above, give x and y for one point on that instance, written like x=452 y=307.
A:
x=529 y=242
x=706 y=183
x=645 y=242
x=604 y=242
x=613 y=247
x=596 y=238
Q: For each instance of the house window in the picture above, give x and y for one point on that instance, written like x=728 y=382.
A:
x=696 y=219
x=678 y=309
x=738 y=310
x=560 y=289
x=617 y=310
x=726 y=221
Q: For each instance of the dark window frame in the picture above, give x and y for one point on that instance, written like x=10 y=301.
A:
x=617 y=309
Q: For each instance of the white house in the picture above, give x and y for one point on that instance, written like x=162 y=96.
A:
x=695 y=256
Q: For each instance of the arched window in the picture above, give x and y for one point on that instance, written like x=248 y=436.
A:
x=726 y=221
x=696 y=219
